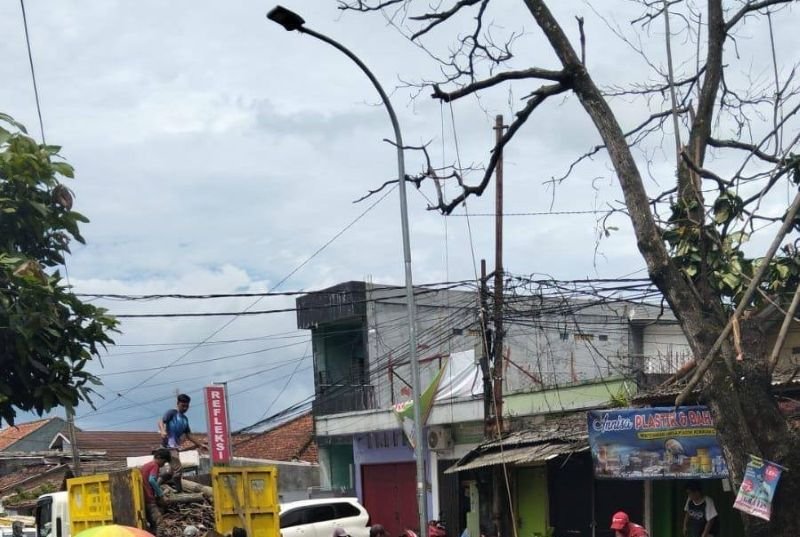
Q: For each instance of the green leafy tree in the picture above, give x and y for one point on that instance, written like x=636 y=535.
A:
x=47 y=335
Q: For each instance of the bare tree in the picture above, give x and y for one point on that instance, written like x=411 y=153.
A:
x=725 y=301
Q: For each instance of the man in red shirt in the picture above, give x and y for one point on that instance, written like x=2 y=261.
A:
x=153 y=494
x=623 y=526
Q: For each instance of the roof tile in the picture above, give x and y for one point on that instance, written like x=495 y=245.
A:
x=292 y=440
x=11 y=435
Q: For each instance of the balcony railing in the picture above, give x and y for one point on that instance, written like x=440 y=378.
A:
x=335 y=399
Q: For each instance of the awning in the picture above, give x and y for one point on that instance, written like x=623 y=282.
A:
x=518 y=455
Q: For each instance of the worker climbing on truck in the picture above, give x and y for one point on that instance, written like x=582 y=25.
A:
x=153 y=493
x=173 y=427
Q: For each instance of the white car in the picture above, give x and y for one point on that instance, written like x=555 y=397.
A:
x=319 y=518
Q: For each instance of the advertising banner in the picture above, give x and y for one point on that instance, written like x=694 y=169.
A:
x=405 y=410
x=758 y=487
x=219 y=437
x=655 y=443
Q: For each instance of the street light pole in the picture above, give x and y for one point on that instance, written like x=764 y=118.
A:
x=293 y=22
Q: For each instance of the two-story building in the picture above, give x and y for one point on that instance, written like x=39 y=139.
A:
x=561 y=356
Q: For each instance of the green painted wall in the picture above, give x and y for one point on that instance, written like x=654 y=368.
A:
x=568 y=397
x=669 y=499
x=664 y=519
x=532 y=501
x=341 y=460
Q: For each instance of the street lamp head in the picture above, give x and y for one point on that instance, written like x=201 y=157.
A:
x=288 y=19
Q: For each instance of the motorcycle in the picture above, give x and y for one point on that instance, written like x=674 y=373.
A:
x=436 y=528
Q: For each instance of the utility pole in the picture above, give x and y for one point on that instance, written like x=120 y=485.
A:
x=497 y=321
x=76 y=458
x=486 y=338
x=497 y=346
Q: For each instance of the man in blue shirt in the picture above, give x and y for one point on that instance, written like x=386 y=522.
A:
x=174 y=426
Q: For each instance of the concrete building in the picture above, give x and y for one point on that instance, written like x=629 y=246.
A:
x=562 y=356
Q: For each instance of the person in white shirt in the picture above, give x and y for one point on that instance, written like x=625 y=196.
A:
x=700 y=514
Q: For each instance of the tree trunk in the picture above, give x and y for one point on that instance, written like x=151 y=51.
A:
x=773 y=439
x=747 y=415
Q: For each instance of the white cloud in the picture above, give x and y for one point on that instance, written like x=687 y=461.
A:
x=216 y=152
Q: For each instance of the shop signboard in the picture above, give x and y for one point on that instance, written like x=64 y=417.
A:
x=219 y=437
x=758 y=487
x=655 y=443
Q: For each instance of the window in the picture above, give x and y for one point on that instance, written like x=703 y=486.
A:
x=345 y=510
x=295 y=517
x=320 y=513
x=584 y=337
x=603 y=337
x=44 y=516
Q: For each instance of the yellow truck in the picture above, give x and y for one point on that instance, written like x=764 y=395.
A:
x=245 y=499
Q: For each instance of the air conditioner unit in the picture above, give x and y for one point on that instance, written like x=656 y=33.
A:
x=439 y=438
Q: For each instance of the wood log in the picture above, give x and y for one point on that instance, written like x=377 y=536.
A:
x=184 y=497
x=191 y=486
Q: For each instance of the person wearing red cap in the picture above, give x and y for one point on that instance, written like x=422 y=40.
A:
x=623 y=526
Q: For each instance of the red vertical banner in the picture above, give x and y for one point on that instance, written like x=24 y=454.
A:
x=219 y=437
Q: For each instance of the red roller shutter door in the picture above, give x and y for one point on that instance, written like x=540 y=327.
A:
x=390 y=495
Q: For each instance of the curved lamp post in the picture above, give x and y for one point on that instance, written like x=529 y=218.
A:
x=293 y=22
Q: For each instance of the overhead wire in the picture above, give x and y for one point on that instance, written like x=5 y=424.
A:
x=33 y=71
x=286 y=385
x=255 y=302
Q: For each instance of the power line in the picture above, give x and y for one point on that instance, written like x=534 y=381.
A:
x=286 y=385
x=540 y=213
x=204 y=361
x=246 y=311
x=204 y=296
x=33 y=71
x=281 y=282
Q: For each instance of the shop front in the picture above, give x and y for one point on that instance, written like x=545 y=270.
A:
x=659 y=450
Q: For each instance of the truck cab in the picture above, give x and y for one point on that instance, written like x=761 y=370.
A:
x=52 y=515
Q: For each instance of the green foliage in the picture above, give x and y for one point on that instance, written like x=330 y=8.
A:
x=718 y=260
x=47 y=335
x=620 y=399
x=25 y=495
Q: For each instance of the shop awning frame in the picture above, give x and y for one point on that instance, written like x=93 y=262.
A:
x=538 y=453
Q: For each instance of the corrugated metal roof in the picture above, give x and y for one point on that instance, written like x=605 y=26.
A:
x=521 y=455
x=569 y=428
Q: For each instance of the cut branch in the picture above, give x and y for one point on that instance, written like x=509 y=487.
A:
x=784 y=331
x=705 y=363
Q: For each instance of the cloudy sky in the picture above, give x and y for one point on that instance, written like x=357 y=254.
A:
x=216 y=153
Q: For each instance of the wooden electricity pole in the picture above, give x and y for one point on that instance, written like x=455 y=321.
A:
x=486 y=338
x=76 y=456
x=497 y=346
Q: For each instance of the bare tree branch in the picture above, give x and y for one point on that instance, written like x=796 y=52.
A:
x=438 y=17
x=750 y=7
x=534 y=72
x=736 y=144
x=639 y=128
x=539 y=96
